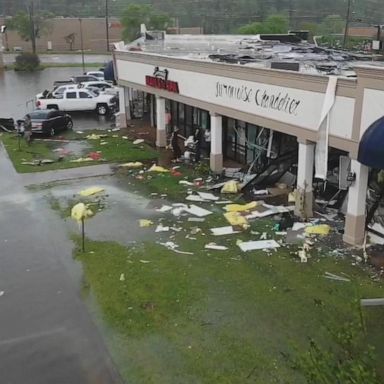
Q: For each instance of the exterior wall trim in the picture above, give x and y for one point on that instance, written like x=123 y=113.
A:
x=301 y=133
x=297 y=80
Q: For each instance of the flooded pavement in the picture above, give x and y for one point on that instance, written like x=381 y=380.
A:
x=20 y=89
x=117 y=210
x=46 y=334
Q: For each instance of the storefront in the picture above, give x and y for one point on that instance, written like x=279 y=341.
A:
x=257 y=113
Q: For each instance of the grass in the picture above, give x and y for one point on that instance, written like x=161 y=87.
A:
x=116 y=150
x=219 y=316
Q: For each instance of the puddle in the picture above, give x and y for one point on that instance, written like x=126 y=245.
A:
x=74 y=148
x=118 y=217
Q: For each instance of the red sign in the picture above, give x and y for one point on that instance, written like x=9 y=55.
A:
x=157 y=82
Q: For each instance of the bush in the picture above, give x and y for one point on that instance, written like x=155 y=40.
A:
x=27 y=61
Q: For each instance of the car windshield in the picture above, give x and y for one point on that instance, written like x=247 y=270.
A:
x=39 y=114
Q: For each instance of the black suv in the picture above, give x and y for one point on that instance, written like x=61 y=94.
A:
x=50 y=121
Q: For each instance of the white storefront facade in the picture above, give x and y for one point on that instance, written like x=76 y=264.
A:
x=301 y=105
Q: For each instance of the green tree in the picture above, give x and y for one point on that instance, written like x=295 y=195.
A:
x=272 y=24
x=331 y=24
x=136 y=14
x=31 y=27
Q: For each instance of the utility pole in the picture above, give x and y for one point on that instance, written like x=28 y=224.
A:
x=81 y=44
x=347 y=19
x=107 y=23
x=32 y=22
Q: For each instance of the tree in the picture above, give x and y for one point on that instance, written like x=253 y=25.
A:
x=332 y=24
x=136 y=14
x=31 y=26
x=273 y=24
x=70 y=39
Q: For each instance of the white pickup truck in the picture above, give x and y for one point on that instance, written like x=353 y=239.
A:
x=79 y=100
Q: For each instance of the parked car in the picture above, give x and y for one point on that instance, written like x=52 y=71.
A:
x=98 y=74
x=75 y=80
x=102 y=86
x=50 y=121
x=79 y=99
x=82 y=78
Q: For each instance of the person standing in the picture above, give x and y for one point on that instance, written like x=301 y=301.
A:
x=28 y=129
x=207 y=138
x=197 y=137
x=175 y=144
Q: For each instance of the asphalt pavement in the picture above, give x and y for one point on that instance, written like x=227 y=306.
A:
x=47 y=335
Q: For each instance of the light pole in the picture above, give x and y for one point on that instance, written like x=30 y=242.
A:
x=81 y=44
x=107 y=23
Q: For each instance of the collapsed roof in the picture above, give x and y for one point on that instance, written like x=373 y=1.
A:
x=261 y=51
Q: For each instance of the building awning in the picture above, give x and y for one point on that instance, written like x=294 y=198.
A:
x=371 y=148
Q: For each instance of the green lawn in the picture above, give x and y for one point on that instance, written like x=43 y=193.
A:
x=219 y=316
x=116 y=150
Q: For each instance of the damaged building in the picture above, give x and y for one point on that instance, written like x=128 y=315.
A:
x=281 y=107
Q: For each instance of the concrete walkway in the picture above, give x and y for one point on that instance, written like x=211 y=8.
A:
x=46 y=333
x=66 y=174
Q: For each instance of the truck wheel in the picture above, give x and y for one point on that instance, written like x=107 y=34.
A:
x=69 y=124
x=53 y=106
x=102 y=109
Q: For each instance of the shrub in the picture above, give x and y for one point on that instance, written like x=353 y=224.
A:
x=27 y=61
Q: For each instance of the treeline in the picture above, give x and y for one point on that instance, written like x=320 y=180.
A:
x=215 y=16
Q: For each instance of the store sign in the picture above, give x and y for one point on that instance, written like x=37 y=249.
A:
x=279 y=101
x=159 y=80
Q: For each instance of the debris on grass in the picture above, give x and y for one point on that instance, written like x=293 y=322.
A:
x=236 y=219
x=138 y=141
x=321 y=229
x=122 y=277
x=158 y=168
x=220 y=231
x=372 y=302
x=91 y=191
x=196 y=219
x=215 y=246
x=208 y=196
x=164 y=208
x=161 y=228
x=145 y=223
x=135 y=164
x=144 y=261
x=231 y=186
x=246 y=246
x=241 y=207
x=332 y=276
x=172 y=247
x=197 y=211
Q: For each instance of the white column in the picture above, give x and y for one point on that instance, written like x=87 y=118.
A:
x=161 y=136
x=304 y=189
x=216 y=159
x=121 y=117
x=354 y=230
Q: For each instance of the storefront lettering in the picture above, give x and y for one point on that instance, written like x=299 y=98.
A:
x=280 y=102
x=157 y=82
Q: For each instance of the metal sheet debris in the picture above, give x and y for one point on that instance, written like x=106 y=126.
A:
x=215 y=246
x=208 y=196
x=196 y=198
x=246 y=246
x=332 y=276
x=161 y=228
x=196 y=219
x=220 y=231
x=164 y=208
x=372 y=302
x=197 y=211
